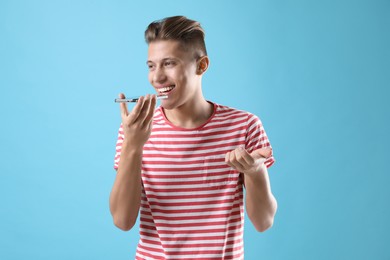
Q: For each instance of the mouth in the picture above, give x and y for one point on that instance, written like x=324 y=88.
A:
x=165 y=90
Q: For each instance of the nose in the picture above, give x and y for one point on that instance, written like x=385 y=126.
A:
x=159 y=75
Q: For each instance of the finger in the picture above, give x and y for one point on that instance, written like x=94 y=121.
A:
x=135 y=113
x=150 y=114
x=245 y=159
x=234 y=160
x=145 y=109
x=228 y=161
x=262 y=153
x=227 y=158
x=123 y=106
x=239 y=161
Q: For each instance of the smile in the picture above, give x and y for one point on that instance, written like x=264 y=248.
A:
x=165 y=90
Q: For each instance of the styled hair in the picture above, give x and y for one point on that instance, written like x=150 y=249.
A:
x=179 y=28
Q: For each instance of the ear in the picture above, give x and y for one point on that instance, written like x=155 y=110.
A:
x=202 y=65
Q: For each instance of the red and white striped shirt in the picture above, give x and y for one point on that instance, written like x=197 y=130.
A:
x=192 y=201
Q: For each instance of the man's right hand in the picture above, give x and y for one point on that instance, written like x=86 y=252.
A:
x=137 y=125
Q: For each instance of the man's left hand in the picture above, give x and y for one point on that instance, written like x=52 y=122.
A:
x=245 y=162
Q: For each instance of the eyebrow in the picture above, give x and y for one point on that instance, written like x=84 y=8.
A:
x=165 y=59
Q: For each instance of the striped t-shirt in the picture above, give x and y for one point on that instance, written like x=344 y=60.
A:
x=192 y=202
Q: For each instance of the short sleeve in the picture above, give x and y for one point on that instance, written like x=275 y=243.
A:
x=118 y=147
x=257 y=138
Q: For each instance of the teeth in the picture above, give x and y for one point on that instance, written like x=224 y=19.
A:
x=162 y=90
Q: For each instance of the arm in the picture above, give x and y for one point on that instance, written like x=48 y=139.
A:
x=260 y=203
x=125 y=197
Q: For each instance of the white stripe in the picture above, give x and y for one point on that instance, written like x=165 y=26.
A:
x=189 y=159
x=206 y=255
x=200 y=145
x=192 y=214
x=186 y=249
x=153 y=253
x=183 y=134
x=193 y=153
x=206 y=162
x=220 y=205
x=190 y=242
x=193 y=221
x=184 y=193
x=222 y=177
x=240 y=251
x=162 y=200
x=189 y=229
x=204 y=221
x=157 y=175
x=183 y=138
x=173 y=186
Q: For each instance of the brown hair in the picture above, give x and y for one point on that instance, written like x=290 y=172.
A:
x=188 y=32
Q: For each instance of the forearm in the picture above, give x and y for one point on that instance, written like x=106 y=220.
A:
x=261 y=205
x=125 y=197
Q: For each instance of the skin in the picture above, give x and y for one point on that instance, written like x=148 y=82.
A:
x=169 y=64
x=260 y=203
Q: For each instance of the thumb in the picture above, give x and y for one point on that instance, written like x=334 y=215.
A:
x=123 y=106
x=262 y=153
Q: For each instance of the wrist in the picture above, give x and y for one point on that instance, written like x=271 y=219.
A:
x=131 y=149
x=259 y=172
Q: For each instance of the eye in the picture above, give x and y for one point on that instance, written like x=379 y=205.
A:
x=150 y=66
x=169 y=63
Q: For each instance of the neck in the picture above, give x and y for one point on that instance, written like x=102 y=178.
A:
x=191 y=114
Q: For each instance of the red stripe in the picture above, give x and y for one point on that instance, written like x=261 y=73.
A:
x=215 y=252
x=227 y=173
x=236 y=213
x=231 y=242
x=219 y=182
x=223 y=125
x=191 y=189
x=191 y=149
x=184 y=156
x=190 y=196
x=192 y=135
x=203 y=224
x=172 y=211
x=195 y=231
x=192 y=217
x=194 y=203
x=231 y=234
x=209 y=160
x=149 y=255
x=197 y=142
x=181 y=169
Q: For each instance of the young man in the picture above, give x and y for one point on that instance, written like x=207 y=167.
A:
x=183 y=165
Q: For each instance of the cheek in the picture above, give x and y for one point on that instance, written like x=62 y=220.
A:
x=175 y=76
x=184 y=76
x=181 y=78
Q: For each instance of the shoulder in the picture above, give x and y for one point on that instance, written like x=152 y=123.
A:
x=226 y=111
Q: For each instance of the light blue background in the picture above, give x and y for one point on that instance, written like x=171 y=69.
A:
x=316 y=72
